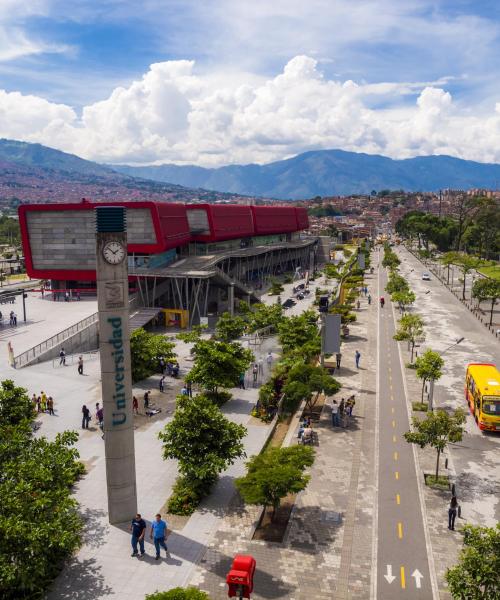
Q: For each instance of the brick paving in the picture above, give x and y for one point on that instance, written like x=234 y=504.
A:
x=328 y=546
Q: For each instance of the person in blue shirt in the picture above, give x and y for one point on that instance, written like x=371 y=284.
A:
x=138 y=529
x=158 y=534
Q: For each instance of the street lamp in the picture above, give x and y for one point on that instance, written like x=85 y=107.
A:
x=431 y=383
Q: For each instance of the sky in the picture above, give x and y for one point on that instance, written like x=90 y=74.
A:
x=218 y=82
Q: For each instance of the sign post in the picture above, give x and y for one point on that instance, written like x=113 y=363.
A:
x=114 y=346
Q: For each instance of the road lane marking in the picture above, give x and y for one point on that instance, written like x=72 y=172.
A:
x=396 y=474
x=398 y=499
x=395 y=456
x=418 y=578
x=394 y=438
x=400 y=531
x=403 y=580
x=389 y=576
x=392 y=410
x=393 y=424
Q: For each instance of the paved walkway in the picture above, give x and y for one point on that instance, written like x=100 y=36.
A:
x=328 y=547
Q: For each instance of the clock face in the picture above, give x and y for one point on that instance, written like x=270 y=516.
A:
x=113 y=253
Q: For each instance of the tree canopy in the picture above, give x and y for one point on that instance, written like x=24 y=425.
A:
x=146 y=349
x=437 y=430
x=410 y=329
x=274 y=474
x=428 y=366
x=201 y=438
x=487 y=289
x=476 y=576
x=299 y=335
x=230 y=327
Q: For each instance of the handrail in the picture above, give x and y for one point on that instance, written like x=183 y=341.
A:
x=28 y=355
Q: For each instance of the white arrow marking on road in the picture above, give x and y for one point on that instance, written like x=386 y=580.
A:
x=418 y=577
x=389 y=576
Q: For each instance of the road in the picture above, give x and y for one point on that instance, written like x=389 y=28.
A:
x=475 y=459
x=402 y=556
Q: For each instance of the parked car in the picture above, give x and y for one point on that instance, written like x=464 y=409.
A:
x=426 y=276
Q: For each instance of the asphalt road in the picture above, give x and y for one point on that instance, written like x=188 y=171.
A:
x=475 y=459
x=402 y=558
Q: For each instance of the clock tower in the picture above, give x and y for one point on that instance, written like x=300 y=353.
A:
x=114 y=346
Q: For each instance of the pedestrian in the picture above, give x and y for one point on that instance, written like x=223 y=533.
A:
x=157 y=534
x=452 y=512
x=66 y=297
x=135 y=405
x=99 y=415
x=260 y=364
x=50 y=405
x=138 y=529
x=62 y=357
x=33 y=401
x=162 y=364
x=184 y=391
x=78 y=296
x=338 y=358
x=342 y=412
x=241 y=382
x=175 y=370
x=335 y=414
x=43 y=398
x=358 y=304
x=189 y=387
x=11 y=315
x=146 y=400
x=14 y=319
x=350 y=406
x=369 y=299
x=168 y=368
x=80 y=365
x=85 y=417
x=255 y=372
x=357 y=356
x=38 y=404
x=161 y=384
x=269 y=359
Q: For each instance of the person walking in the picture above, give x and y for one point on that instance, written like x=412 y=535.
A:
x=14 y=319
x=269 y=359
x=357 y=357
x=255 y=372
x=338 y=358
x=369 y=299
x=135 y=405
x=50 y=405
x=146 y=400
x=260 y=364
x=43 y=398
x=452 y=513
x=189 y=387
x=184 y=391
x=342 y=412
x=62 y=357
x=80 y=365
x=161 y=384
x=99 y=415
x=241 y=382
x=85 y=417
x=335 y=414
x=157 y=534
x=39 y=404
x=138 y=529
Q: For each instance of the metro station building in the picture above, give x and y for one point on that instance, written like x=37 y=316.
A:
x=192 y=258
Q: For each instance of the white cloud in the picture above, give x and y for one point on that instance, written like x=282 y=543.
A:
x=177 y=114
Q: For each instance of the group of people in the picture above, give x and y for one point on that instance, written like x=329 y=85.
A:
x=305 y=433
x=342 y=412
x=43 y=403
x=62 y=361
x=87 y=417
x=169 y=368
x=158 y=533
x=12 y=318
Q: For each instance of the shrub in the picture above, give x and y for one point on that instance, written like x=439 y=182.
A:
x=186 y=495
x=218 y=397
x=179 y=593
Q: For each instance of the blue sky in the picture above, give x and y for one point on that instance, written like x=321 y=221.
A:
x=77 y=53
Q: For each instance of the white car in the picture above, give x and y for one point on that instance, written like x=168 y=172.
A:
x=426 y=276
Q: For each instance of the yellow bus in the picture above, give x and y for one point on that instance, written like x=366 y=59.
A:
x=482 y=392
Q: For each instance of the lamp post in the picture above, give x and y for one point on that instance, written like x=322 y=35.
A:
x=431 y=383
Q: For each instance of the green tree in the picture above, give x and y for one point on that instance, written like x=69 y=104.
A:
x=218 y=364
x=299 y=335
x=146 y=349
x=15 y=405
x=265 y=315
x=467 y=264
x=437 y=430
x=201 y=438
x=274 y=474
x=305 y=380
x=178 y=593
x=39 y=525
x=276 y=288
x=193 y=336
x=229 y=328
x=411 y=329
x=429 y=365
x=476 y=576
x=448 y=259
x=396 y=283
x=404 y=299
x=487 y=289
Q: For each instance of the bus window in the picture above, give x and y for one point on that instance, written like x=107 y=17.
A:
x=491 y=405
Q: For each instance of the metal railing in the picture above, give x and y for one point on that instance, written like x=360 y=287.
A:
x=72 y=359
x=29 y=355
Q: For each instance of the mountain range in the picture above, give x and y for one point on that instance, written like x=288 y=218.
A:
x=36 y=173
x=328 y=173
